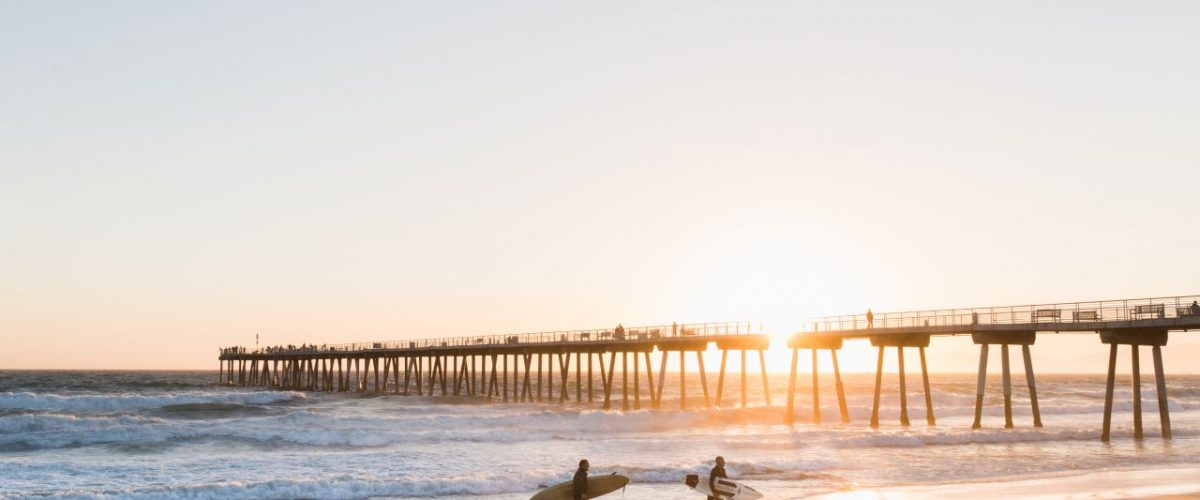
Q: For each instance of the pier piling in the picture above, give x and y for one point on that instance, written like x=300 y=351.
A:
x=1006 y=377
x=1160 y=382
x=816 y=392
x=1155 y=338
x=1137 y=392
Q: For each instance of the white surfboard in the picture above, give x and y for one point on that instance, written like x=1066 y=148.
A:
x=726 y=488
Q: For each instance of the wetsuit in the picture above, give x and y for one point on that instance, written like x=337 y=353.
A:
x=580 y=485
x=717 y=472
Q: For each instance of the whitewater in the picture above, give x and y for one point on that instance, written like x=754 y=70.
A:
x=151 y=435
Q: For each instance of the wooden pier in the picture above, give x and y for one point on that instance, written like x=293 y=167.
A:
x=484 y=366
x=1131 y=322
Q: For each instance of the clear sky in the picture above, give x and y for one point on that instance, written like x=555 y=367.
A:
x=178 y=176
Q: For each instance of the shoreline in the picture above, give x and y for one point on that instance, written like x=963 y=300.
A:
x=1162 y=483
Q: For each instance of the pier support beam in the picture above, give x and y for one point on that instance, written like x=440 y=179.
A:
x=721 y=377
x=1155 y=338
x=929 y=419
x=841 y=390
x=903 y=387
x=564 y=367
x=878 y=389
x=743 y=378
x=650 y=380
x=1160 y=382
x=762 y=367
x=1004 y=339
x=789 y=417
x=816 y=402
x=1033 y=401
x=1006 y=381
x=899 y=342
x=1137 y=392
x=624 y=381
x=527 y=387
x=1108 y=392
x=637 y=384
x=815 y=343
x=608 y=379
x=683 y=347
x=662 y=378
x=682 y=380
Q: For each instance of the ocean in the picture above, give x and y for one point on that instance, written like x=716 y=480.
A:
x=126 y=434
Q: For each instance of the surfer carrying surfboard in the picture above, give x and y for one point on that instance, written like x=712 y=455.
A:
x=719 y=486
x=582 y=487
x=717 y=472
x=579 y=487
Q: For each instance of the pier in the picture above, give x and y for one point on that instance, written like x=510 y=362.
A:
x=484 y=366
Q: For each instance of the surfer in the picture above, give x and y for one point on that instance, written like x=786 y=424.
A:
x=717 y=472
x=580 y=483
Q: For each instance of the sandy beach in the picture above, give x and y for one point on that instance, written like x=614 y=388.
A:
x=1159 y=484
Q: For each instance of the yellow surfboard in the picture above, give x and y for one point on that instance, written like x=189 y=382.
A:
x=597 y=485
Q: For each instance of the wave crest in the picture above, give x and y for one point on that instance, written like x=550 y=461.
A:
x=122 y=402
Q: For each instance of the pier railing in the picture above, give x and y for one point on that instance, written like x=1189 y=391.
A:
x=1068 y=312
x=609 y=335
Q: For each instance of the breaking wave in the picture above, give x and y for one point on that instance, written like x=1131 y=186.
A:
x=123 y=402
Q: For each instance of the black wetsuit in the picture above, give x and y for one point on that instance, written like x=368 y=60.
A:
x=580 y=484
x=717 y=472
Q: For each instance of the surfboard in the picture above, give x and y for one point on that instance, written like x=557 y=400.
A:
x=726 y=488
x=597 y=485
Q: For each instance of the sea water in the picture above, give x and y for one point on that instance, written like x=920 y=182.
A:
x=181 y=435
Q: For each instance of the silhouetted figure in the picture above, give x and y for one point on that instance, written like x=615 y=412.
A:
x=674 y=329
x=579 y=489
x=1195 y=307
x=870 y=318
x=717 y=472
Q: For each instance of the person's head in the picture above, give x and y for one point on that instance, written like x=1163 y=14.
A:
x=720 y=461
x=584 y=465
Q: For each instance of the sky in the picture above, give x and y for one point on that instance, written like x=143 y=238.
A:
x=180 y=176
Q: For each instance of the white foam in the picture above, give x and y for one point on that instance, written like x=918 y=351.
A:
x=134 y=401
x=337 y=487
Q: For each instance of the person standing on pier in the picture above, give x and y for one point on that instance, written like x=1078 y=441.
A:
x=1195 y=308
x=580 y=482
x=717 y=472
x=870 y=318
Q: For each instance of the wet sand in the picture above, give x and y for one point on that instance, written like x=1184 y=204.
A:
x=1156 y=484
